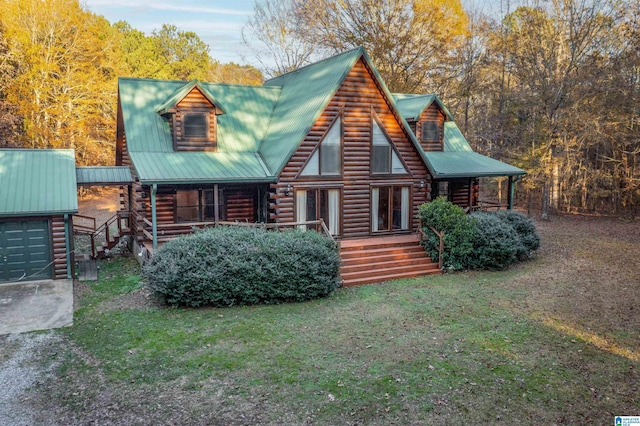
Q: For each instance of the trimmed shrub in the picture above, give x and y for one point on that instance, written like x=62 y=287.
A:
x=526 y=229
x=495 y=244
x=459 y=232
x=226 y=266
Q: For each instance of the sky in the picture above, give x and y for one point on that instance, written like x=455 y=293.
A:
x=217 y=22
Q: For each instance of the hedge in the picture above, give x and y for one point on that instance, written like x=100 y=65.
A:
x=226 y=266
x=480 y=240
x=459 y=232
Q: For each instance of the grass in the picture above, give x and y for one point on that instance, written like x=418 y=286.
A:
x=481 y=347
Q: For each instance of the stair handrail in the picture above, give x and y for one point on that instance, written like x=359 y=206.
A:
x=423 y=236
x=105 y=228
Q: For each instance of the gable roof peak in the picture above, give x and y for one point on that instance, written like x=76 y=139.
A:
x=181 y=92
x=356 y=52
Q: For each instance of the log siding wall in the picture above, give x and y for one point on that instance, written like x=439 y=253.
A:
x=194 y=102
x=356 y=98
x=432 y=113
x=59 y=247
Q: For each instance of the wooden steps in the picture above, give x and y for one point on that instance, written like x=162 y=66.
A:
x=378 y=259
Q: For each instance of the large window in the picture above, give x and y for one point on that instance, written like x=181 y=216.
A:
x=314 y=204
x=326 y=160
x=384 y=159
x=199 y=205
x=390 y=208
x=195 y=126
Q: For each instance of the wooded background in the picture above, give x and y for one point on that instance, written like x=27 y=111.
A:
x=551 y=86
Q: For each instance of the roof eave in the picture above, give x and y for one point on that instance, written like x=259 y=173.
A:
x=38 y=213
x=206 y=180
x=471 y=175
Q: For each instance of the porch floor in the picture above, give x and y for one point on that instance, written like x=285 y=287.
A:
x=383 y=239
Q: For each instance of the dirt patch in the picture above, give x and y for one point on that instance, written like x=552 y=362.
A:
x=100 y=203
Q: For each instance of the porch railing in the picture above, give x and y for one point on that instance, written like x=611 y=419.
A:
x=167 y=231
x=423 y=236
x=84 y=224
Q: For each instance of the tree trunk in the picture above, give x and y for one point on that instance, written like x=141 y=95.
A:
x=545 y=201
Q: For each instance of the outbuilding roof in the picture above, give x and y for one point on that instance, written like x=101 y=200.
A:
x=37 y=182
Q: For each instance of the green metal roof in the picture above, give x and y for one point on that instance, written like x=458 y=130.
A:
x=200 y=167
x=37 y=182
x=111 y=175
x=459 y=160
x=412 y=106
x=454 y=141
x=304 y=95
x=263 y=126
x=181 y=92
x=448 y=165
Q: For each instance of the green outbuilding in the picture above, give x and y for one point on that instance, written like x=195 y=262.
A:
x=37 y=201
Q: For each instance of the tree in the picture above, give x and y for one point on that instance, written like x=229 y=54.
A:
x=182 y=54
x=408 y=40
x=233 y=73
x=10 y=120
x=279 y=48
x=66 y=88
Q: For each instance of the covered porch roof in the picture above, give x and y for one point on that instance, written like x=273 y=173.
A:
x=103 y=176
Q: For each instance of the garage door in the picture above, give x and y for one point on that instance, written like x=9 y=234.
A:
x=25 y=250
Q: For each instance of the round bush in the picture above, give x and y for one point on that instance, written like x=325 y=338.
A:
x=526 y=229
x=495 y=244
x=226 y=266
x=458 y=230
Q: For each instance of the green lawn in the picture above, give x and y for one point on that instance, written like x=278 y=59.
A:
x=486 y=347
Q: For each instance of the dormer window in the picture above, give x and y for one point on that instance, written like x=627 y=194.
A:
x=430 y=131
x=192 y=115
x=196 y=126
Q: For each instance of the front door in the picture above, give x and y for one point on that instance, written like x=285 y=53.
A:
x=390 y=208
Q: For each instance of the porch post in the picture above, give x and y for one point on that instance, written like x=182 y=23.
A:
x=510 y=195
x=67 y=242
x=154 y=220
x=216 y=205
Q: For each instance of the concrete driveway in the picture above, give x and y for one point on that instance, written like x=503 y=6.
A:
x=35 y=305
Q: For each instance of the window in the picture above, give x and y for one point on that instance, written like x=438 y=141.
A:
x=326 y=160
x=195 y=126
x=430 y=131
x=390 y=207
x=198 y=205
x=384 y=159
x=313 y=204
x=442 y=189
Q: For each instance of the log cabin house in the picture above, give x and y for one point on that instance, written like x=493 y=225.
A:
x=327 y=141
